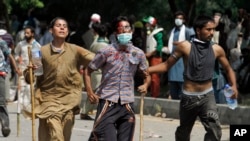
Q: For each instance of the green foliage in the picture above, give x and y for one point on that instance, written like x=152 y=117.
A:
x=26 y=4
x=209 y=6
x=7 y=5
x=108 y=9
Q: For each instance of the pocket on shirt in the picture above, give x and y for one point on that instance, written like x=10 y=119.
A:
x=133 y=64
x=134 y=60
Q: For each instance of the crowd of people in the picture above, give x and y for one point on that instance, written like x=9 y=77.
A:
x=113 y=61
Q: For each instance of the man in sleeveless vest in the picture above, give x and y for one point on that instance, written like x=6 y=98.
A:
x=197 y=99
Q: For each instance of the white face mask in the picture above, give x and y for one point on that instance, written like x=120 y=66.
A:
x=124 y=38
x=178 y=22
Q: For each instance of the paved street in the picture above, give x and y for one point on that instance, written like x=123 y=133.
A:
x=155 y=129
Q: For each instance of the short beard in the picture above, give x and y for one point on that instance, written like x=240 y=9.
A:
x=28 y=39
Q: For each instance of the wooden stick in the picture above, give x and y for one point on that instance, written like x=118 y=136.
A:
x=18 y=105
x=141 y=117
x=32 y=94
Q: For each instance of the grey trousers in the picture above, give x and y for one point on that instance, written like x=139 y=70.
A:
x=4 y=117
x=204 y=107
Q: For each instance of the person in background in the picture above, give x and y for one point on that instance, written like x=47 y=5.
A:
x=7 y=37
x=115 y=118
x=15 y=23
x=197 y=99
x=20 y=34
x=218 y=79
x=58 y=91
x=76 y=32
x=46 y=36
x=4 y=117
x=21 y=55
x=138 y=35
x=89 y=37
x=154 y=45
x=138 y=40
x=101 y=42
x=178 y=34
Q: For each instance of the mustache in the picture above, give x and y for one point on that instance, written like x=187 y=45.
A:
x=27 y=37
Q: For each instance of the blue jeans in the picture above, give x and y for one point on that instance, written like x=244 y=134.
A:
x=4 y=117
x=219 y=96
x=218 y=92
x=204 y=107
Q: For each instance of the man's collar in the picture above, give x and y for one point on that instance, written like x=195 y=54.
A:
x=125 y=48
x=199 y=41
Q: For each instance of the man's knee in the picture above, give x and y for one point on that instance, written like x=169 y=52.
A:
x=213 y=116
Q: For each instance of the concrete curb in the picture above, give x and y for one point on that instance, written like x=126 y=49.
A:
x=171 y=107
x=153 y=106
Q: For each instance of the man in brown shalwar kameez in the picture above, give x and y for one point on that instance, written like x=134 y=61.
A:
x=58 y=90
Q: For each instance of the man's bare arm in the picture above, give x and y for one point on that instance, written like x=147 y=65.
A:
x=173 y=58
x=228 y=70
x=147 y=80
x=162 y=67
x=93 y=98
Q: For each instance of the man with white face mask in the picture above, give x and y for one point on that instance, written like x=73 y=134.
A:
x=115 y=118
x=178 y=34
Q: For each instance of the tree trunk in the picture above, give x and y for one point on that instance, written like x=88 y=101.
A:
x=172 y=6
x=190 y=11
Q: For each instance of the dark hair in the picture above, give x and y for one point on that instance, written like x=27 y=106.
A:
x=32 y=29
x=177 y=13
x=102 y=30
x=118 y=20
x=95 y=26
x=109 y=29
x=53 y=21
x=201 y=21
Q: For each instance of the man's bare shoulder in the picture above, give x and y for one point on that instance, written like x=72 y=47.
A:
x=218 y=50
x=216 y=46
x=184 y=45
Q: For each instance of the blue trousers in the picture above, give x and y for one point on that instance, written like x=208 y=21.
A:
x=175 y=89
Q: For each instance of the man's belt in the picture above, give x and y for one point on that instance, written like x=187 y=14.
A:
x=2 y=73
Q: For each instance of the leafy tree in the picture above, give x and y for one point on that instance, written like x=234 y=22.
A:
x=81 y=10
x=4 y=13
x=27 y=4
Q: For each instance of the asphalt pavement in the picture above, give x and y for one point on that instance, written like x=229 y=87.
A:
x=155 y=128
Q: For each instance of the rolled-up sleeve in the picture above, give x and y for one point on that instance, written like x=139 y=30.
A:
x=98 y=61
x=85 y=56
x=143 y=64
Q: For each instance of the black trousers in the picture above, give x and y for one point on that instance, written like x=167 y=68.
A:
x=205 y=108
x=113 y=122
